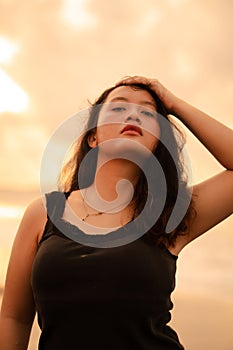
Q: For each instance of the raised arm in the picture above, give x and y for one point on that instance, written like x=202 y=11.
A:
x=213 y=198
x=18 y=310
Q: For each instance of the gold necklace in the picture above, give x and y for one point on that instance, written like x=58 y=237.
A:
x=98 y=212
x=90 y=214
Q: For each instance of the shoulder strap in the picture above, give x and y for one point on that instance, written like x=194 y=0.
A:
x=55 y=203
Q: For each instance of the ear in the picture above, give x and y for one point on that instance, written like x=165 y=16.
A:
x=92 y=140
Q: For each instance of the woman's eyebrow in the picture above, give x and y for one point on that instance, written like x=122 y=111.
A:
x=146 y=102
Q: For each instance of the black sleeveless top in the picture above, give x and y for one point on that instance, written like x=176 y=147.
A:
x=101 y=298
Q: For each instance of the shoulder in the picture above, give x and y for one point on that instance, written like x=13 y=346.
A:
x=36 y=209
x=34 y=218
x=39 y=207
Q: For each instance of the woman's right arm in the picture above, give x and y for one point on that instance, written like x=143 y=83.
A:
x=18 y=309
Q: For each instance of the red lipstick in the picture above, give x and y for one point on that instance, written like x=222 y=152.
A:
x=130 y=129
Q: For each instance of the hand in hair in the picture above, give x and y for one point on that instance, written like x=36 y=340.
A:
x=167 y=97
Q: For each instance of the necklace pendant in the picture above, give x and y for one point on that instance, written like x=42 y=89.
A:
x=86 y=216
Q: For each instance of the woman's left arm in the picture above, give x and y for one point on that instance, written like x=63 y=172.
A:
x=213 y=198
x=215 y=136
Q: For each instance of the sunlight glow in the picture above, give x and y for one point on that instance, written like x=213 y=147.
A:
x=10 y=212
x=12 y=97
x=7 y=50
x=75 y=14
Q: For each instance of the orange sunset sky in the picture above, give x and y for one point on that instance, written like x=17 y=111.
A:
x=55 y=55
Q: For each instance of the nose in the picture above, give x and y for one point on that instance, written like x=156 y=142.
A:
x=133 y=117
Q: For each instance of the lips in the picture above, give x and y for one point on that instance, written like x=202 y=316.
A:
x=132 y=129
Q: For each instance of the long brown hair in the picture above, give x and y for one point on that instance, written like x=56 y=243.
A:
x=171 y=139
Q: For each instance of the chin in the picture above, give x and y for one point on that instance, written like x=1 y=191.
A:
x=124 y=148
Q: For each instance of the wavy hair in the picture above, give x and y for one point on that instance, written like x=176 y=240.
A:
x=172 y=166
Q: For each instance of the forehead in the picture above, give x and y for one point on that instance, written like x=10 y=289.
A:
x=131 y=95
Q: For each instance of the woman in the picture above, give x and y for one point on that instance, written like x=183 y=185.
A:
x=94 y=287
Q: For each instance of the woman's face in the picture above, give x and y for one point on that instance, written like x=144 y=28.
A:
x=128 y=114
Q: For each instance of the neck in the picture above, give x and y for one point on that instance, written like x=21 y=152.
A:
x=108 y=176
x=113 y=185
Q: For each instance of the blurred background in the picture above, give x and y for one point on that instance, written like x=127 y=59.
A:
x=56 y=55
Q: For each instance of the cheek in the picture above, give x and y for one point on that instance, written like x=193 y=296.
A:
x=108 y=117
x=152 y=128
x=107 y=121
x=105 y=132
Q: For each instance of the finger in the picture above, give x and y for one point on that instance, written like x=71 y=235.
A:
x=134 y=80
x=123 y=80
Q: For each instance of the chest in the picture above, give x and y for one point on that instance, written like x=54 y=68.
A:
x=136 y=270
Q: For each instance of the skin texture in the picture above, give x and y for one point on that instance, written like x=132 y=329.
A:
x=213 y=201
x=124 y=106
x=127 y=106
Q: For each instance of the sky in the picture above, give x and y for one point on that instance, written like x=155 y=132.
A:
x=57 y=55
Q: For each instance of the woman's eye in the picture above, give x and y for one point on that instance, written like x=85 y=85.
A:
x=118 y=109
x=148 y=114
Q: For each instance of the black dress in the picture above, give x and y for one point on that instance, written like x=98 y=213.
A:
x=115 y=298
